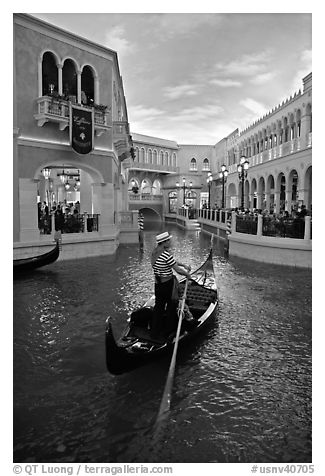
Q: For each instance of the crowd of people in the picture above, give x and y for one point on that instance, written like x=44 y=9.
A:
x=283 y=224
x=66 y=217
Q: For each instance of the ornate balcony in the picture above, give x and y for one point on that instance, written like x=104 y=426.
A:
x=56 y=110
x=148 y=197
x=167 y=169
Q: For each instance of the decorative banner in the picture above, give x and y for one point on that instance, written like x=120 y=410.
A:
x=81 y=129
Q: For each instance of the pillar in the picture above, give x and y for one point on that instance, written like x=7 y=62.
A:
x=288 y=200
x=79 y=87
x=276 y=202
x=259 y=225
x=259 y=200
x=60 y=85
x=28 y=210
x=307 y=227
x=268 y=200
x=233 y=222
x=103 y=204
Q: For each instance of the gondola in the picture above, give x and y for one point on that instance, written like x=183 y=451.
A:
x=28 y=264
x=136 y=348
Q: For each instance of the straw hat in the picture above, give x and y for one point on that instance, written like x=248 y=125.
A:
x=163 y=237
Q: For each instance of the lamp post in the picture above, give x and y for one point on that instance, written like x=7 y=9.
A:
x=46 y=172
x=184 y=187
x=209 y=182
x=223 y=175
x=242 y=168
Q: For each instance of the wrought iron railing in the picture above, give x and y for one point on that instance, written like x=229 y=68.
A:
x=72 y=223
x=286 y=228
x=246 y=224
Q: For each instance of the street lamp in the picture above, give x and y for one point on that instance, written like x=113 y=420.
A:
x=242 y=168
x=223 y=175
x=209 y=182
x=46 y=172
x=184 y=187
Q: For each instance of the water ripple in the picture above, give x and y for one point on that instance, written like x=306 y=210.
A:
x=241 y=393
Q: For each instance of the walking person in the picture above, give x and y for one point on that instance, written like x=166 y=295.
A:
x=163 y=264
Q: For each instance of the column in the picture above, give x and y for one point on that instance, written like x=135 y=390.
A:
x=307 y=227
x=276 y=202
x=60 y=86
x=103 y=204
x=259 y=200
x=259 y=225
x=79 y=87
x=233 y=222
x=28 y=210
x=268 y=200
x=288 y=200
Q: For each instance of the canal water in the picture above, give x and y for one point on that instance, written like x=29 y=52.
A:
x=241 y=393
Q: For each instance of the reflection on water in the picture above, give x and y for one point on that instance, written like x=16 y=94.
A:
x=242 y=393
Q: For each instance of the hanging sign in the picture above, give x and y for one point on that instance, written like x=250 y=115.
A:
x=81 y=129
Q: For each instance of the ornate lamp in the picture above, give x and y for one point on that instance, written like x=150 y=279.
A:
x=242 y=169
x=223 y=175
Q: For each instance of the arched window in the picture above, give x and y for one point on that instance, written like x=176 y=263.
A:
x=87 y=85
x=161 y=158
x=156 y=187
x=206 y=164
x=193 y=164
x=174 y=160
x=49 y=74
x=150 y=160
x=69 y=78
x=146 y=187
x=155 y=157
x=133 y=186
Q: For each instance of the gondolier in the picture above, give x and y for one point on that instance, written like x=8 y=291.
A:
x=135 y=347
x=163 y=264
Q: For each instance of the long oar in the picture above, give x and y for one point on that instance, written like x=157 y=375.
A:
x=166 y=398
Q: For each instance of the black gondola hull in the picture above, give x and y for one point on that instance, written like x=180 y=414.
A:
x=119 y=360
x=29 y=264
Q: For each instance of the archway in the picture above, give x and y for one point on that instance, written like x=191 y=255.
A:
x=231 y=198
x=151 y=219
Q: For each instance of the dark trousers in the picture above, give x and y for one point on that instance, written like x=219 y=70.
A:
x=164 y=317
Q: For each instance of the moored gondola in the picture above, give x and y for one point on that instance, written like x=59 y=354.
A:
x=28 y=264
x=135 y=347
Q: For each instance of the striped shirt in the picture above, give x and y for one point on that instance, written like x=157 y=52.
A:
x=163 y=265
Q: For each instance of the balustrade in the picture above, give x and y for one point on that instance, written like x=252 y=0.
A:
x=145 y=196
x=277 y=151
x=51 y=109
